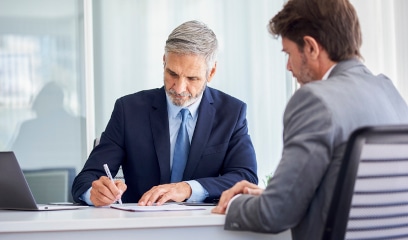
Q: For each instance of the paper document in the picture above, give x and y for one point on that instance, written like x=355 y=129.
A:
x=165 y=207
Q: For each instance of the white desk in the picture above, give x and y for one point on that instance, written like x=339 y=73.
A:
x=107 y=223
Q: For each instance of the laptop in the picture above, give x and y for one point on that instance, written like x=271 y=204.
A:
x=15 y=191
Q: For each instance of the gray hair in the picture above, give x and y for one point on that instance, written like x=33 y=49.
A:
x=193 y=37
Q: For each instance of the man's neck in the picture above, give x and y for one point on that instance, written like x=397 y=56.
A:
x=325 y=64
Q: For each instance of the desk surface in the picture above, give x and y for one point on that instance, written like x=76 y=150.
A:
x=97 y=222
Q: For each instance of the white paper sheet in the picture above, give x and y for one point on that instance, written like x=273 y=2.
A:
x=165 y=207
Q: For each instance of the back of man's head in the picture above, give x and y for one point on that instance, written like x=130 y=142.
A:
x=332 y=23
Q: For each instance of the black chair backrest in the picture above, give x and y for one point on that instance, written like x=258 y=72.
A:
x=370 y=199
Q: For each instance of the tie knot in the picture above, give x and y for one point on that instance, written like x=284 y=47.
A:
x=184 y=113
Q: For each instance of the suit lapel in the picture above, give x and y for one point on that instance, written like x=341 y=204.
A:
x=160 y=129
x=202 y=132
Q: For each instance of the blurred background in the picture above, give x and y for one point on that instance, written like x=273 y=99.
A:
x=63 y=63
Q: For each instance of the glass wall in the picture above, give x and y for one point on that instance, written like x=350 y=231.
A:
x=42 y=117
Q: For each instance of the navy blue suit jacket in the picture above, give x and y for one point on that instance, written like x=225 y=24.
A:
x=137 y=137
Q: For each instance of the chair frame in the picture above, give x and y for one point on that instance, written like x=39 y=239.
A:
x=337 y=219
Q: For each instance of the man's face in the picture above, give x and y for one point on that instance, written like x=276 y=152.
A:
x=297 y=62
x=185 y=77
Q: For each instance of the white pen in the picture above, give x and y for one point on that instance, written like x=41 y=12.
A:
x=105 y=166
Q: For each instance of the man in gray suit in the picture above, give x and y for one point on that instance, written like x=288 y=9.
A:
x=338 y=94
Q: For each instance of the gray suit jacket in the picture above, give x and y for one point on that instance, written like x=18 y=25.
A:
x=317 y=123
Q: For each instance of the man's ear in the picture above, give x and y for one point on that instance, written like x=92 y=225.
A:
x=164 y=60
x=212 y=72
x=311 y=47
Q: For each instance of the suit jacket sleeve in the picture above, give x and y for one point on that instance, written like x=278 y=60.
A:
x=109 y=151
x=305 y=158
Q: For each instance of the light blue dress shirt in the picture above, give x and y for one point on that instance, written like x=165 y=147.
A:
x=198 y=192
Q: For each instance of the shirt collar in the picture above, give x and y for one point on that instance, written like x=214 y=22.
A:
x=326 y=75
x=173 y=110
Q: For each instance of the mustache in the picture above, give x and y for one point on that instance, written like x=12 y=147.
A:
x=183 y=94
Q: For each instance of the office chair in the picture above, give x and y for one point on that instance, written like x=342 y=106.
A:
x=370 y=198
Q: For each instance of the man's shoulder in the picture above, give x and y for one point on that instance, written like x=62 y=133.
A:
x=222 y=97
x=142 y=99
x=149 y=93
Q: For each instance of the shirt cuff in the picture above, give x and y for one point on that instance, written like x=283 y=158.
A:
x=86 y=197
x=198 y=192
x=229 y=203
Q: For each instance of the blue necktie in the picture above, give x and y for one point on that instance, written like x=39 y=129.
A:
x=181 y=149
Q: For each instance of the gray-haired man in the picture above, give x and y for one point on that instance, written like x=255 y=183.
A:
x=141 y=135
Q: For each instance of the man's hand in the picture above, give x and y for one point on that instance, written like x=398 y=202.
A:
x=104 y=192
x=244 y=187
x=160 y=194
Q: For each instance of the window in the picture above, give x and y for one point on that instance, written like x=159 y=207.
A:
x=42 y=117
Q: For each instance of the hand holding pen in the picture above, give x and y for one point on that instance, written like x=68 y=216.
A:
x=108 y=173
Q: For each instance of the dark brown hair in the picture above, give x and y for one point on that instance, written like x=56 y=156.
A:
x=332 y=23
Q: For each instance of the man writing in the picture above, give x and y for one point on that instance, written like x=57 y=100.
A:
x=338 y=94
x=182 y=142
